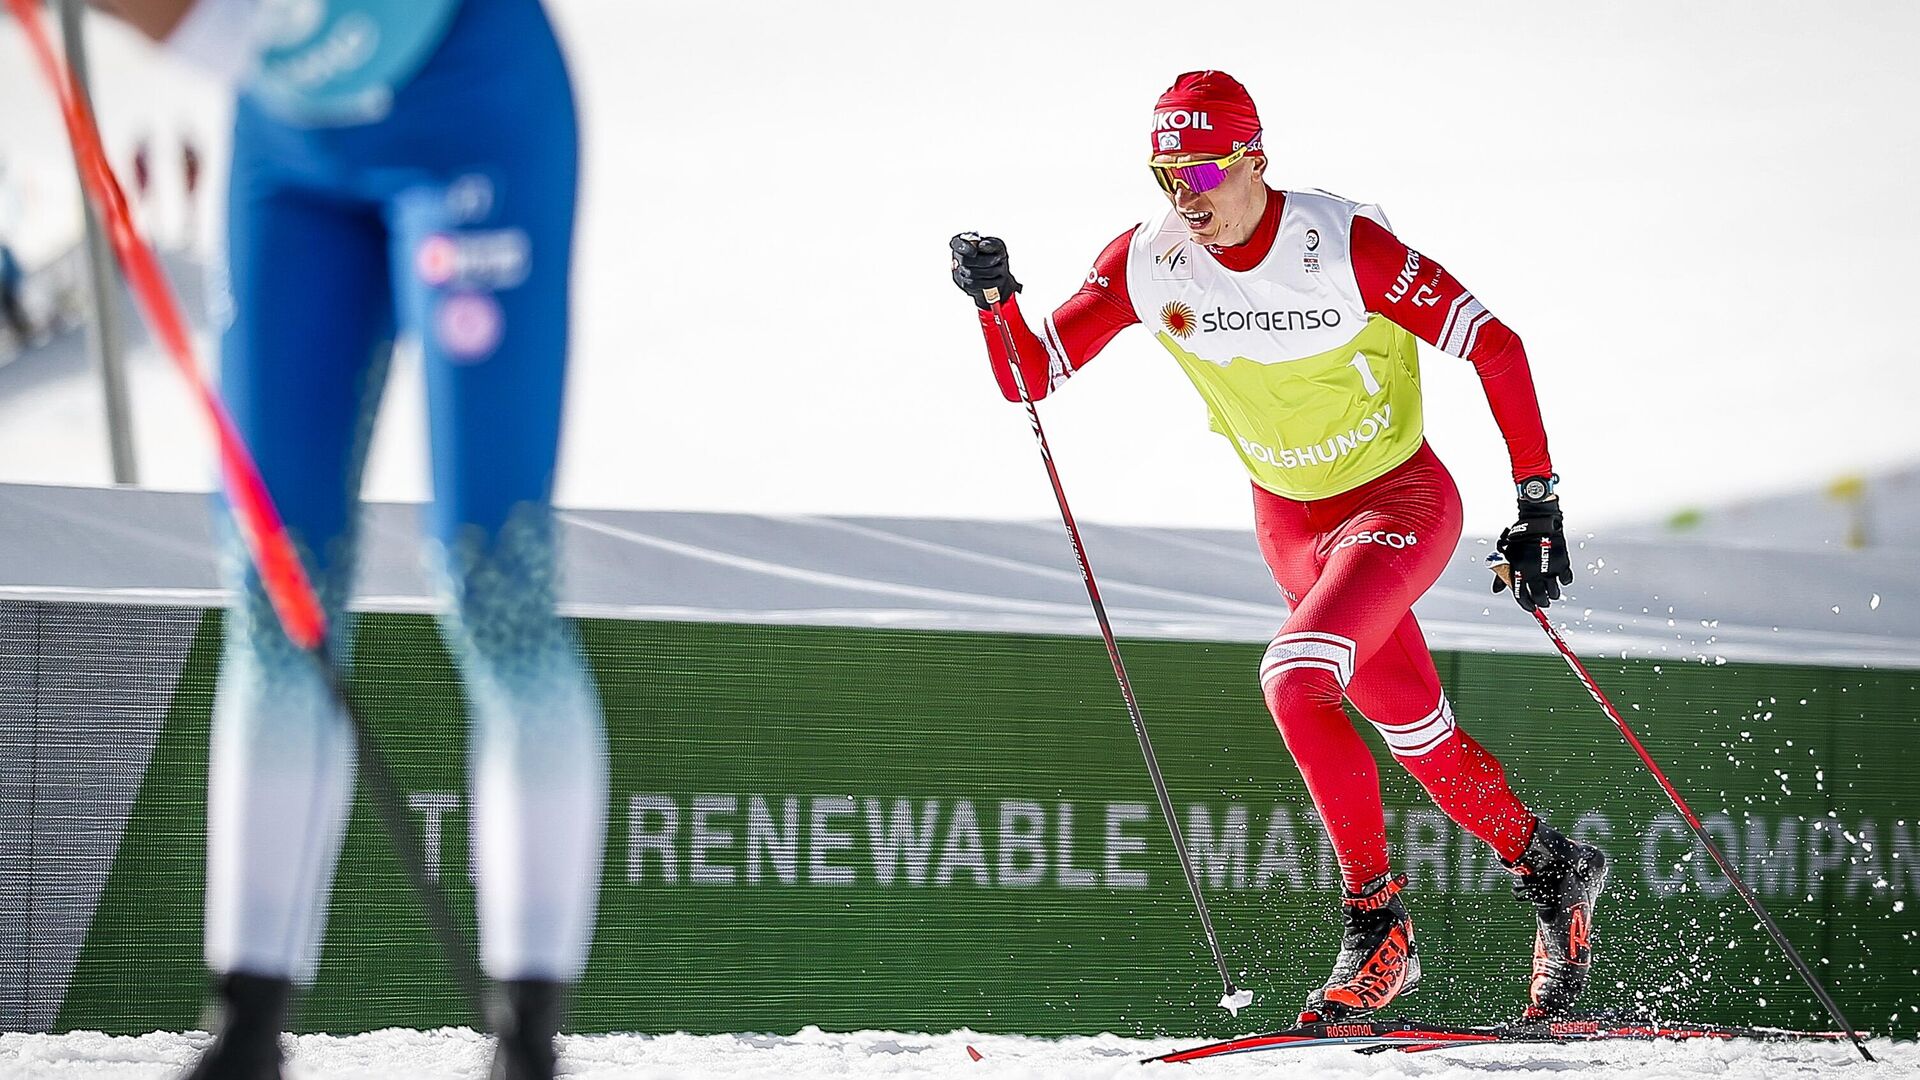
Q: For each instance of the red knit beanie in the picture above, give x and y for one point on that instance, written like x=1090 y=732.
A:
x=1205 y=112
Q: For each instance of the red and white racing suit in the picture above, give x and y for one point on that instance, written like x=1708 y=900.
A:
x=1350 y=562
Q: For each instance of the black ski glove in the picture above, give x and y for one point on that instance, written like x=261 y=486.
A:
x=1535 y=547
x=979 y=264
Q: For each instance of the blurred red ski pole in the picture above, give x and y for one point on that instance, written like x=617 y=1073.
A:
x=1502 y=571
x=271 y=549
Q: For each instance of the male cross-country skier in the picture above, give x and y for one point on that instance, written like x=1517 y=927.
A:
x=1295 y=313
x=399 y=166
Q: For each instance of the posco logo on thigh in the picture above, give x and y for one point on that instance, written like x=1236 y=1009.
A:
x=1378 y=536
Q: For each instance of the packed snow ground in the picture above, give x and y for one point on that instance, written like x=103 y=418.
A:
x=460 y=1054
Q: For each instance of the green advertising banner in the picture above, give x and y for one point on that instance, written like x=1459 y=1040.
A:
x=924 y=831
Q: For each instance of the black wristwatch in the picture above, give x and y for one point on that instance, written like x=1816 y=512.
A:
x=1537 y=488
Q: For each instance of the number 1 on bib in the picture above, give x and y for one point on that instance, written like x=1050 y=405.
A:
x=1367 y=380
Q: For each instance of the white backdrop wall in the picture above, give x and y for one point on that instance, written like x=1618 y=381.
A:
x=1695 y=215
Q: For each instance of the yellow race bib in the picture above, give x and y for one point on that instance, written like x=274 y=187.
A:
x=1320 y=425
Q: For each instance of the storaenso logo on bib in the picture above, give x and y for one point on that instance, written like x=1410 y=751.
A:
x=1222 y=319
x=1177 y=318
x=1323 y=453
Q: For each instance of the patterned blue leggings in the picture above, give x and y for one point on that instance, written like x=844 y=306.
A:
x=449 y=222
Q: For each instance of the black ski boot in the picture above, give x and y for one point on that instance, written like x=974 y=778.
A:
x=1377 y=961
x=1562 y=879
x=246 y=1044
x=526 y=1016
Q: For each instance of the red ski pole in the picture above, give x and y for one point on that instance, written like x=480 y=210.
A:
x=1232 y=998
x=285 y=579
x=1504 y=572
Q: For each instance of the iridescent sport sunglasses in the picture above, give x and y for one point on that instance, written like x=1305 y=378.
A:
x=1199 y=176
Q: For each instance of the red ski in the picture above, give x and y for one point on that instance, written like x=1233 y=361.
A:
x=1410 y=1036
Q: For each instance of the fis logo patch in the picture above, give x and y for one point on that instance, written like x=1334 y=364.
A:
x=1173 y=264
x=1169 y=140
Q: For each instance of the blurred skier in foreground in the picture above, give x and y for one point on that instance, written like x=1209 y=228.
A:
x=12 y=307
x=1294 y=313
x=398 y=166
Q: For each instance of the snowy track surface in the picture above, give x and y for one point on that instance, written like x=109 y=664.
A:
x=459 y=1054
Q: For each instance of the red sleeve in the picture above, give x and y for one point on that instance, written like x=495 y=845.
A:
x=1419 y=295
x=1072 y=335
